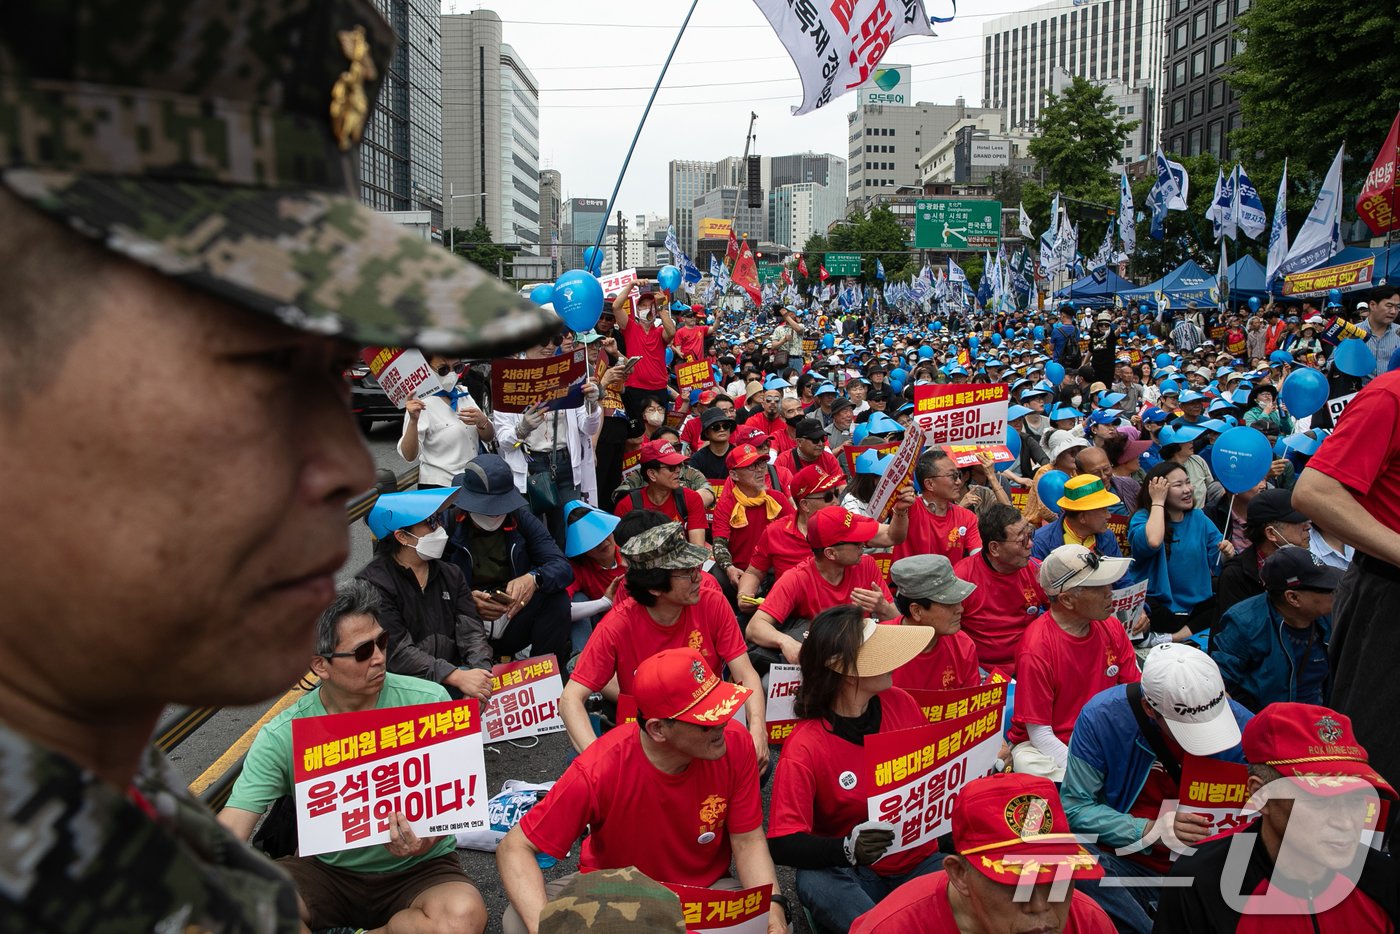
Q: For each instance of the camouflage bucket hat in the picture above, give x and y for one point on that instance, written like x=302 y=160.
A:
x=218 y=144
x=611 y=901
x=664 y=547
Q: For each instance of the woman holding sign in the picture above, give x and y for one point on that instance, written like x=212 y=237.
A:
x=818 y=821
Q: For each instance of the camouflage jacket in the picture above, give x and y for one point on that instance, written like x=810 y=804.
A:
x=77 y=855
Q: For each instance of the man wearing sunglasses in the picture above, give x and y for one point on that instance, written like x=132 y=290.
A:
x=409 y=883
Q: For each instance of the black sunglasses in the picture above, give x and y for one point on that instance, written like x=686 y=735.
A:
x=365 y=650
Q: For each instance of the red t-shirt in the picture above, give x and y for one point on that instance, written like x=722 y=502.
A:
x=1363 y=453
x=694 y=507
x=1057 y=673
x=802 y=593
x=776 y=428
x=1158 y=787
x=628 y=635
x=690 y=432
x=809 y=794
x=742 y=541
x=690 y=343
x=649 y=343
x=591 y=578
x=950 y=663
x=781 y=547
x=953 y=534
x=674 y=828
x=997 y=613
x=921 y=906
x=826 y=462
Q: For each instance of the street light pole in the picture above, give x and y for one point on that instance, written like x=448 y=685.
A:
x=451 y=201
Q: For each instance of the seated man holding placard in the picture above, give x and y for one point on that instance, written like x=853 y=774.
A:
x=411 y=883
x=675 y=795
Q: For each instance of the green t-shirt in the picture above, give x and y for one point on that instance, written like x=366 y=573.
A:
x=267 y=770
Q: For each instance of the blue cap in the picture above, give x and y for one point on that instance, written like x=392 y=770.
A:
x=881 y=424
x=1171 y=387
x=1223 y=371
x=1280 y=357
x=776 y=382
x=1191 y=395
x=1104 y=416
x=1212 y=424
x=1306 y=442
x=1153 y=414
x=1034 y=391
x=1179 y=435
x=824 y=387
x=1219 y=405
x=1064 y=413
x=1016 y=411
x=393 y=511
x=587 y=531
x=956 y=371
x=872 y=464
x=1108 y=400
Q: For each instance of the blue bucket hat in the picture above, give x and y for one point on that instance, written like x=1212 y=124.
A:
x=394 y=511
x=776 y=382
x=1181 y=435
x=1065 y=413
x=587 y=531
x=881 y=424
x=871 y=463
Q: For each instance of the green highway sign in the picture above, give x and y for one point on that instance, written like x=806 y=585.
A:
x=956 y=224
x=769 y=272
x=843 y=264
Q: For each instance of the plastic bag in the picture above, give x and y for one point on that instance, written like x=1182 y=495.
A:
x=504 y=811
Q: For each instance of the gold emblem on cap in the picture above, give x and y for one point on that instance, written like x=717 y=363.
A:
x=1328 y=730
x=1028 y=816
x=349 y=102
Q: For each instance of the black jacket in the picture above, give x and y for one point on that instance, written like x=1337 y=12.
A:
x=1239 y=579
x=434 y=630
x=530 y=545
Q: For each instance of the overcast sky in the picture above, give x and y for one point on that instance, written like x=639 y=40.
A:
x=596 y=63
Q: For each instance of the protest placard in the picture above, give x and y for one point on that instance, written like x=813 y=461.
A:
x=955 y=703
x=1214 y=789
x=402 y=372
x=1335 y=407
x=899 y=473
x=697 y=375
x=1128 y=602
x=1019 y=495
x=524 y=700
x=974 y=413
x=969 y=455
x=354 y=771
x=781 y=683
x=611 y=400
x=710 y=910
x=518 y=384
x=615 y=282
x=914 y=776
x=883 y=560
x=1118 y=525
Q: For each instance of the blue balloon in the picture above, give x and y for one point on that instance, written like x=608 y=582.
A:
x=670 y=355
x=936 y=326
x=593 y=260
x=1304 y=392
x=996 y=339
x=973 y=342
x=1050 y=487
x=1164 y=360
x=1240 y=458
x=578 y=299
x=1039 y=332
x=1011 y=334
x=669 y=278
x=899 y=373
x=1142 y=330
x=1013 y=444
x=1334 y=296
x=542 y=294
x=1054 y=372
x=1254 y=303
x=1354 y=358
x=925 y=352
x=889 y=342
x=1143 y=309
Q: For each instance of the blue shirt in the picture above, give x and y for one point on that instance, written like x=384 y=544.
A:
x=1179 y=571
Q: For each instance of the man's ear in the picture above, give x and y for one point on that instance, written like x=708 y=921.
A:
x=320 y=666
x=957 y=869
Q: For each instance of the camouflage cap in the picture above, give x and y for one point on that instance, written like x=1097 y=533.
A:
x=664 y=547
x=612 y=900
x=218 y=143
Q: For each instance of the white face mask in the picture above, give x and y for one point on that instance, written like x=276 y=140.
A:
x=449 y=381
x=432 y=545
x=655 y=418
x=489 y=523
x=1076 y=400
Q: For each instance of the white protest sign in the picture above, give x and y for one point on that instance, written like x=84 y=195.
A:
x=781 y=683
x=524 y=700
x=354 y=771
x=973 y=413
x=615 y=282
x=403 y=373
x=1335 y=407
x=1128 y=602
x=895 y=476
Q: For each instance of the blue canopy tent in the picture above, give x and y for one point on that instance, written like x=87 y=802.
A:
x=1090 y=291
x=1246 y=279
x=1385 y=269
x=1184 y=284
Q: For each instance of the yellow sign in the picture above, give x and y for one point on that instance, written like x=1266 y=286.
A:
x=713 y=228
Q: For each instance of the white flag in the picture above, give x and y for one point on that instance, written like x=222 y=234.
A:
x=1213 y=212
x=1320 y=237
x=1127 y=220
x=838 y=47
x=1250 y=209
x=1278 y=233
x=1025 y=220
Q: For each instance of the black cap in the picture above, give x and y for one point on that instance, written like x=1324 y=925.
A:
x=1272 y=506
x=714 y=416
x=1292 y=568
x=810 y=429
x=841 y=403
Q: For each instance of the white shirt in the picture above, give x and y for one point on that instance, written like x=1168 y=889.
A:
x=1326 y=554
x=445 y=444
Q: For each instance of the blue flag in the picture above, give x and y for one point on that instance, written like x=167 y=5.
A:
x=689 y=271
x=879 y=270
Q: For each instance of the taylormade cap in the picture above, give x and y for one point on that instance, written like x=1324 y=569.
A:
x=1183 y=686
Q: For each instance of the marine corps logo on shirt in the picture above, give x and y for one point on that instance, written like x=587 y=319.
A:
x=1027 y=815
x=955 y=535
x=948 y=677
x=712 y=811
x=695 y=641
x=1328 y=730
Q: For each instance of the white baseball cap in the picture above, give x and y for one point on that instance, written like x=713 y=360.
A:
x=1183 y=686
x=1062 y=441
x=1071 y=566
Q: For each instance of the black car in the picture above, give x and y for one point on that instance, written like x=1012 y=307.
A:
x=368 y=400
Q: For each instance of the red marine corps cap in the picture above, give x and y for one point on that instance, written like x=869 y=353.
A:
x=677 y=685
x=1313 y=746
x=1009 y=825
x=833 y=525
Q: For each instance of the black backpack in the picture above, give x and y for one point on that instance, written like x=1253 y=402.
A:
x=1072 y=356
x=678 y=497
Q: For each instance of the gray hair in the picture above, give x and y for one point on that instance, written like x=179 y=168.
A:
x=354 y=598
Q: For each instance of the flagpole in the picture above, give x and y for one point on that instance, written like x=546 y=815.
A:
x=598 y=241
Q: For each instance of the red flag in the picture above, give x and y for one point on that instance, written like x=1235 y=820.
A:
x=822 y=273
x=746 y=274
x=787 y=279
x=731 y=250
x=1376 y=203
x=802 y=266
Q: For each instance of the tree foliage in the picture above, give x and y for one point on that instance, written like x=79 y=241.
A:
x=477 y=244
x=1312 y=75
x=878 y=234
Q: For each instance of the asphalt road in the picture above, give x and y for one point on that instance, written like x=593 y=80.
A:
x=540 y=763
